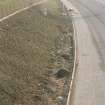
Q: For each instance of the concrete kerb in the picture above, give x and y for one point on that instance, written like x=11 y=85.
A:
x=76 y=61
x=69 y=7
x=21 y=10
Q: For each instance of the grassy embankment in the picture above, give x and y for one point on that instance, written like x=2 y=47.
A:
x=10 y=6
x=32 y=46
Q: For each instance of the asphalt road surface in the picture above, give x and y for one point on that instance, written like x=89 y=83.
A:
x=89 y=86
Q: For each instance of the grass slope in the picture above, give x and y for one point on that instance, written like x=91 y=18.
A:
x=10 y=6
x=29 y=43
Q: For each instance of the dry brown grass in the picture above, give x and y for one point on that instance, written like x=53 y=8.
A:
x=29 y=43
x=9 y=6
